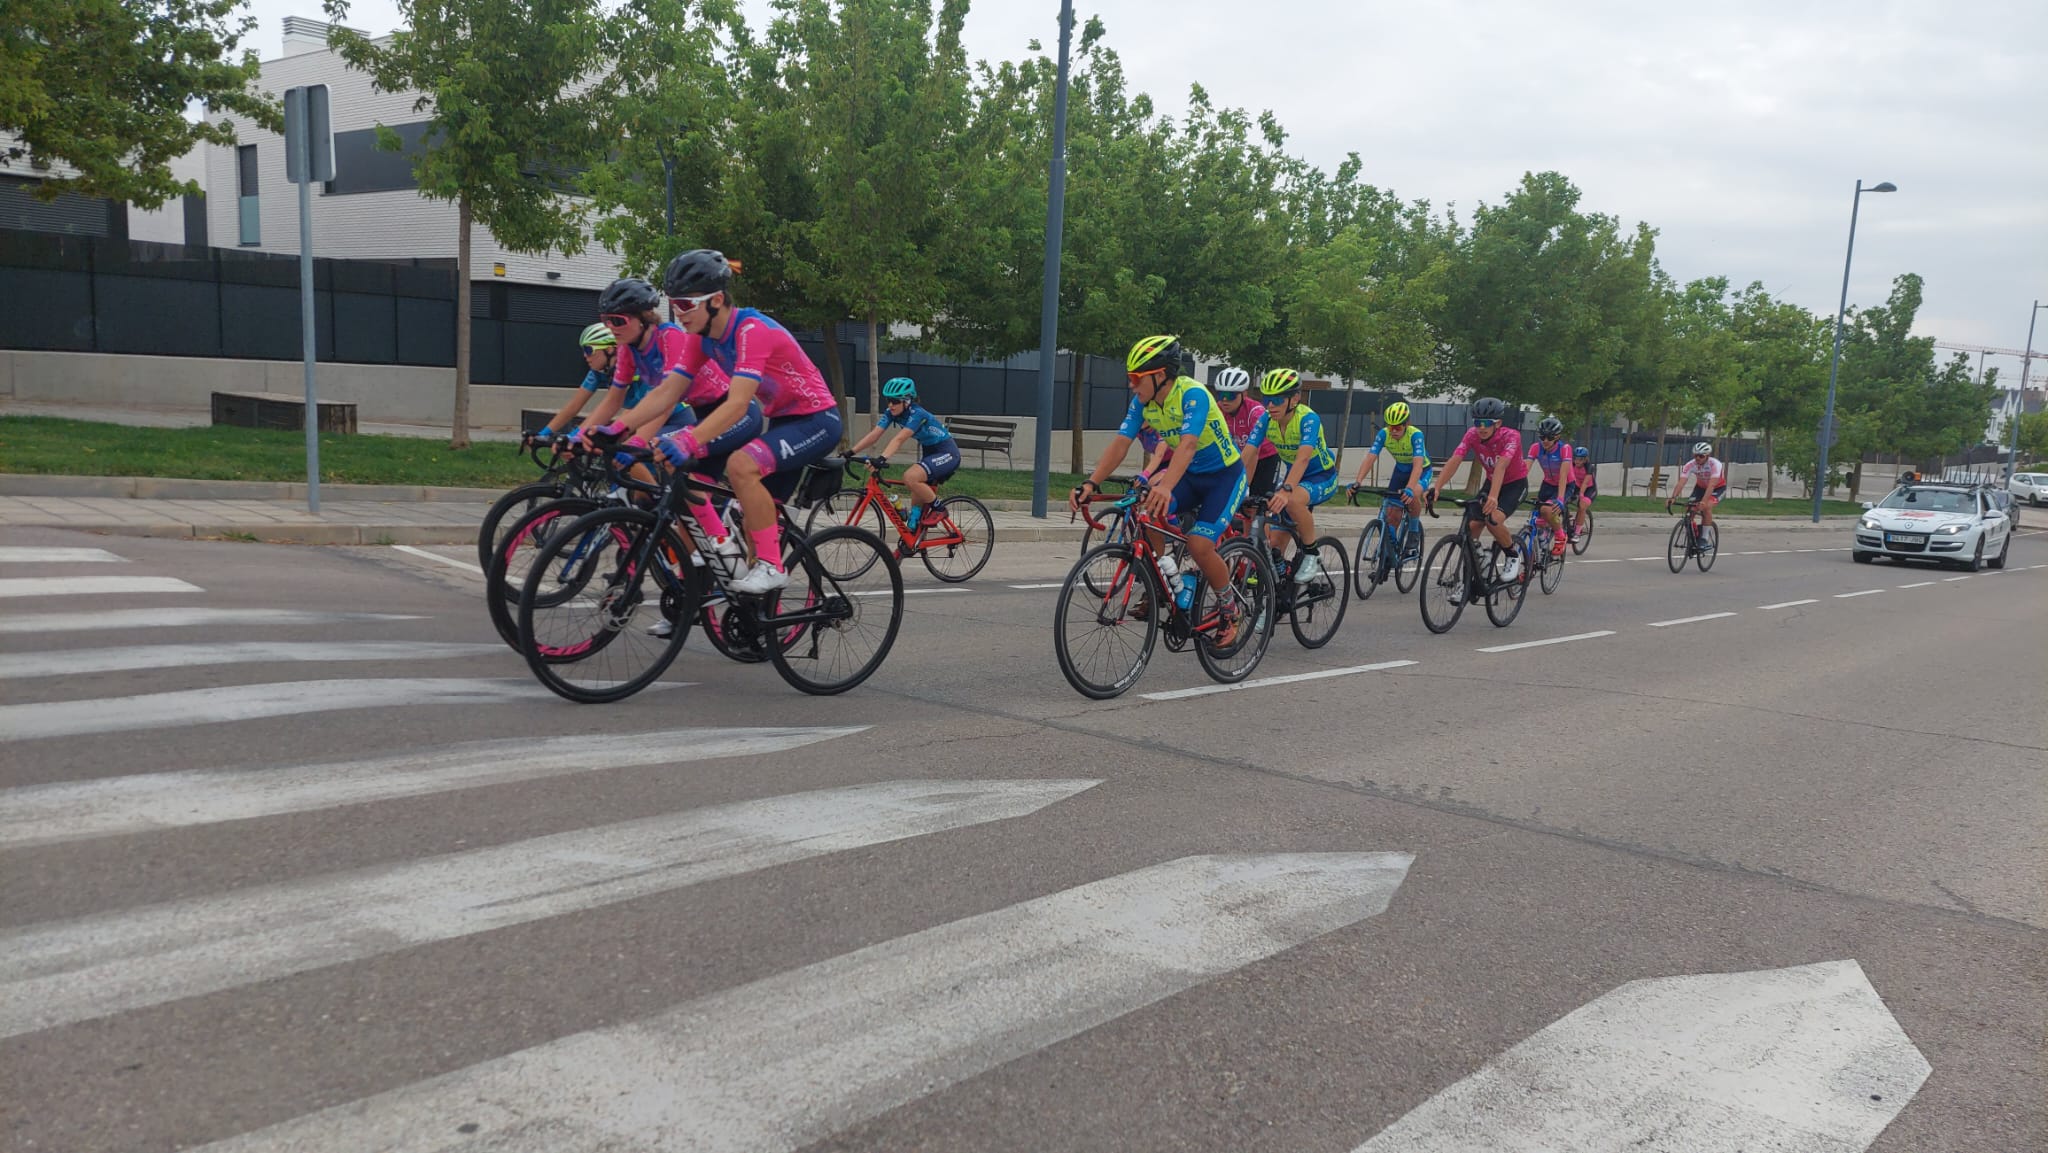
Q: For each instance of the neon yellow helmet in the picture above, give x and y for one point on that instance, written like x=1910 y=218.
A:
x=1278 y=383
x=1396 y=414
x=1154 y=352
x=598 y=336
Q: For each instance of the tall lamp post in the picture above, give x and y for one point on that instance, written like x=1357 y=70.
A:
x=1049 y=306
x=1827 y=423
x=2019 y=400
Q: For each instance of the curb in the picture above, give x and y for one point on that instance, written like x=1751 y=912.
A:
x=306 y=534
x=177 y=488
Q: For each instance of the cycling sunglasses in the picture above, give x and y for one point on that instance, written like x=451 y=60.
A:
x=684 y=304
x=1156 y=374
x=1485 y=423
x=616 y=319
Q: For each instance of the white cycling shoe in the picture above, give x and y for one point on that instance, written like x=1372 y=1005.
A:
x=762 y=578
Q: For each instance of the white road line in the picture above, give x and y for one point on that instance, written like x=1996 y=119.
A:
x=1689 y=620
x=249 y=702
x=1860 y=593
x=450 y=561
x=115 y=806
x=1805 y=550
x=1268 y=682
x=1964 y=577
x=788 y=1060
x=80 y=661
x=1600 y=560
x=1053 y=585
x=909 y=592
x=92 y=586
x=1790 y=604
x=1806 y=1056
x=1918 y=584
x=2033 y=566
x=24 y=555
x=183 y=618
x=57 y=974
x=1551 y=641
x=1648 y=558
x=1753 y=552
x=1780 y=551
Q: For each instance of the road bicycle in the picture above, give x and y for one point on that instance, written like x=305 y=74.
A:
x=563 y=474
x=1584 y=536
x=1692 y=539
x=1455 y=576
x=1313 y=607
x=954 y=540
x=1122 y=595
x=594 y=589
x=1387 y=549
x=1537 y=543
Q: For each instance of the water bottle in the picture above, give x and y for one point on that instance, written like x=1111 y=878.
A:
x=1185 y=598
x=1168 y=568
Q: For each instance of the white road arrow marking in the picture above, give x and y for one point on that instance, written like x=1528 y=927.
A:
x=72 y=971
x=780 y=1063
x=72 y=810
x=1805 y=1058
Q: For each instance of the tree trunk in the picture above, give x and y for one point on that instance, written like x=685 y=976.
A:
x=1077 y=412
x=874 y=373
x=1344 y=427
x=1770 y=465
x=1663 y=435
x=1855 y=480
x=458 y=432
x=835 y=376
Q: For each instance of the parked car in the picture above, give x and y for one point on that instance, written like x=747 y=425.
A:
x=1952 y=524
x=2031 y=487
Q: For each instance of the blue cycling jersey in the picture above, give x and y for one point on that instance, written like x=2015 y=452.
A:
x=924 y=427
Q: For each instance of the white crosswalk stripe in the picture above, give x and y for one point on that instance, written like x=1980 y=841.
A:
x=126 y=619
x=78 y=662
x=25 y=555
x=11 y=587
x=787 y=1060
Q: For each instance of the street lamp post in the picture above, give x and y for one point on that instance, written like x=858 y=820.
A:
x=2019 y=400
x=1827 y=423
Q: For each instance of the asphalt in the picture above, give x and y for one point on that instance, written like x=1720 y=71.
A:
x=1859 y=777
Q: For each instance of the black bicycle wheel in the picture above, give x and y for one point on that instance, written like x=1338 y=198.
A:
x=617 y=585
x=505 y=574
x=976 y=528
x=1253 y=588
x=1444 y=585
x=1105 y=639
x=1709 y=546
x=1585 y=536
x=1675 y=554
x=490 y=536
x=843 y=625
x=1118 y=532
x=1366 y=578
x=1319 y=602
x=1553 y=572
x=1409 y=567
x=1504 y=599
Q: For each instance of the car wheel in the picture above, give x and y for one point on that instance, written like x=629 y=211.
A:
x=1998 y=562
x=1976 y=561
x=1863 y=557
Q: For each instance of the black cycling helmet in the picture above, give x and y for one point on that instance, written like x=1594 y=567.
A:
x=629 y=297
x=1488 y=408
x=1551 y=426
x=697 y=272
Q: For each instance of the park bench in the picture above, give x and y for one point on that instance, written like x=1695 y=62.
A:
x=984 y=434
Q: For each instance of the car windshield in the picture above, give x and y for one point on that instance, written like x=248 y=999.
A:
x=1930 y=500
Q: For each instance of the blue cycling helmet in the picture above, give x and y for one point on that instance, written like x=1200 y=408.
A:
x=899 y=388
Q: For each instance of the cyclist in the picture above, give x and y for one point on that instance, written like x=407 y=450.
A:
x=761 y=361
x=1296 y=432
x=1243 y=414
x=1585 y=486
x=1206 y=473
x=939 y=456
x=599 y=350
x=1499 y=452
x=1709 y=479
x=1553 y=455
x=627 y=313
x=1402 y=442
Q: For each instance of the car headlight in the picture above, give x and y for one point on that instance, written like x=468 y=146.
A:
x=1870 y=522
x=1953 y=529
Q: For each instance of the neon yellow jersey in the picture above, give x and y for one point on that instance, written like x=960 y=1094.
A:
x=1186 y=409
x=1301 y=429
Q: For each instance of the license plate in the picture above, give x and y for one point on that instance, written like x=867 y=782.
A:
x=1909 y=538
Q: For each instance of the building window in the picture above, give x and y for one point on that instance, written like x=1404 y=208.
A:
x=249 y=206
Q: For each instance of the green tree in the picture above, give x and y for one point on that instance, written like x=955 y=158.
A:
x=514 y=113
x=1885 y=370
x=94 y=92
x=1688 y=366
x=2034 y=436
x=1782 y=352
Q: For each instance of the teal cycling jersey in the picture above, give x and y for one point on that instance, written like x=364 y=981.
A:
x=924 y=427
x=1405 y=447
x=1186 y=409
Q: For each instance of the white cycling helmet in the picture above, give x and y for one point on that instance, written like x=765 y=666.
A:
x=1703 y=448
x=1232 y=380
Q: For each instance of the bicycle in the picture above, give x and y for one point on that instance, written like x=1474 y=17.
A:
x=954 y=540
x=1584 y=536
x=1692 y=539
x=1537 y=541
x=583 y=634
x=1386 y=549
x=1307 y=604
x=563 y=474
x=1136 y=602
x=1455 y=576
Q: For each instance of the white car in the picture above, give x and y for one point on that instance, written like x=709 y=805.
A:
x=1949 y=523
x=2031 y=487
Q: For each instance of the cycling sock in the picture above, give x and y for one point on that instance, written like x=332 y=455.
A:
x=708 y=518
x=768 y=545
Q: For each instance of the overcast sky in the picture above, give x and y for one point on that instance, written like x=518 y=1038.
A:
x=1737 y=128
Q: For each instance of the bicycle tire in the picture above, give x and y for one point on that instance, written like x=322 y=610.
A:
x=1119 y=532
x=1504 y=599
x=525 y=498
x=1407 y=572
x=1314 y=599
x=1709 y=546
x=1443 y=573
x=505 y=574
x=1553 y=573
x=976 y=525
x=1124 y=581
x=1680 y=548
x=817 y=562
x=1585 y=536
x=625 y=530
x=1365 y=580
x=1255 y=584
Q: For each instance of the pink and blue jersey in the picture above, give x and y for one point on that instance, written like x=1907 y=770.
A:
x=1503 y=451
x=757 y=347
x=1555 y=463
x=1243 y=421
x=640 y=371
